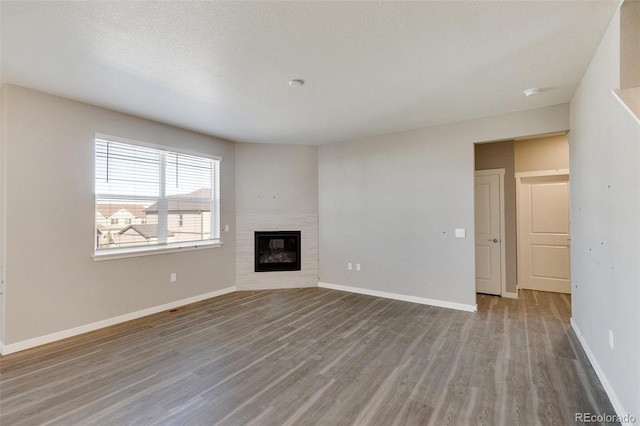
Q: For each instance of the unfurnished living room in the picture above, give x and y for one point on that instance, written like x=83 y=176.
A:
x=319 y=213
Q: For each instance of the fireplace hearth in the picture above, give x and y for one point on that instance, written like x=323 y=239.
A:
x=277 y=251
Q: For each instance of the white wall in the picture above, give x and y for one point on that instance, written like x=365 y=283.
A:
x=52 y=282
x=605 y=224
x=392 y=203
x=276 y=190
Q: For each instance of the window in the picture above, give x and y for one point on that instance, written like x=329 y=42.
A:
x=165 y=198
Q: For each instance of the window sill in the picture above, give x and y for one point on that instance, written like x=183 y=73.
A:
x=150 y=251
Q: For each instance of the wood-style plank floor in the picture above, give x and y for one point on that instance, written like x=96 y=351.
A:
x=313 y=356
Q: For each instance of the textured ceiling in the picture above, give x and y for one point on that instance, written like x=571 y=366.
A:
x=370 y=68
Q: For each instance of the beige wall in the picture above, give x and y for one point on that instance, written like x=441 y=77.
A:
x=53 y=284
x=630 y=44
x=546 y=153
x=500 y=155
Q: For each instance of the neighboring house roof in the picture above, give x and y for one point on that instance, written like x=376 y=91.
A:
x=108 y=210
x=147 y=231
x=190 y=206
x=199 y=193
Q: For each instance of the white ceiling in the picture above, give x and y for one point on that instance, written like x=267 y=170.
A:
x=370 y=68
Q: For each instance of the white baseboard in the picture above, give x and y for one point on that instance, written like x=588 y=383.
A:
x=1 y=348
x=620 y=411
x=404 y=298
x=510 y=295
x=37 y=341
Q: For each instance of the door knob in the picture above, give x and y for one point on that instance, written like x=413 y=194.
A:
x=495 y=240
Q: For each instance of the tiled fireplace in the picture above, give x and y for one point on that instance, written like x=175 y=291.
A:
x=306 y=272
x=277 y=251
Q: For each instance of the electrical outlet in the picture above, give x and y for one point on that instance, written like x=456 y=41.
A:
x=357 y=266
x=349 y=266
x=174 y=277
x=611 y=339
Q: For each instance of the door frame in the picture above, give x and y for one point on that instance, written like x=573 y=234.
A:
x=519 y=231
x=503 y=252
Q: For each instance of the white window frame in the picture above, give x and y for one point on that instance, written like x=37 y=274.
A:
x=163 y=200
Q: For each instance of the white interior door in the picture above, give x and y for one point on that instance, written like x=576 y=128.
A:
x=488 y=238
x=543 y=225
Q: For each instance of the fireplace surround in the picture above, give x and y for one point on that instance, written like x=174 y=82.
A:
x=277 y=251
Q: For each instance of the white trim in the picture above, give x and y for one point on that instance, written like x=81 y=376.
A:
x=404 y=298
x=617 y=405
x=37 y=341
x=1 y=348
x=518 y=234
x=540 y=173
x=503 y=238
x=503 y=250
x=107 y=254
x=618 y=93
x=509 y=295
x=489 y=172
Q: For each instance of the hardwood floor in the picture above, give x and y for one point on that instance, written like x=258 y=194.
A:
x=313 y=356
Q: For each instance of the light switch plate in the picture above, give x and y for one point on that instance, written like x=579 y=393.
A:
x=461 y=233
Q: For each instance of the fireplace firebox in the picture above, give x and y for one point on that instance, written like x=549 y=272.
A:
x=277 y=251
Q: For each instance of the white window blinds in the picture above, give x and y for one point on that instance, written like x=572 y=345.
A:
x=146 y=196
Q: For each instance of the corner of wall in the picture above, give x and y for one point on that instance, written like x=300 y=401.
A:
x=3 y=202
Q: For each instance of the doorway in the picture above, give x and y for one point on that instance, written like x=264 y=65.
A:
x=529 y=157
x=490 y=232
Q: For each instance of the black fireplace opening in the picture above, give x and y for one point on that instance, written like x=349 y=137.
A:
x=277 y=251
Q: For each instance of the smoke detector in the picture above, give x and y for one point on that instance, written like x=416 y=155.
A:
x=528 y=92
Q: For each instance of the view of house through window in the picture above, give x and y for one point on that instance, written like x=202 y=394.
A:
x=146 y=196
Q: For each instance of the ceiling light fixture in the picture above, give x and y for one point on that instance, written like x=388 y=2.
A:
x=531 y=92
x=296 y=83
